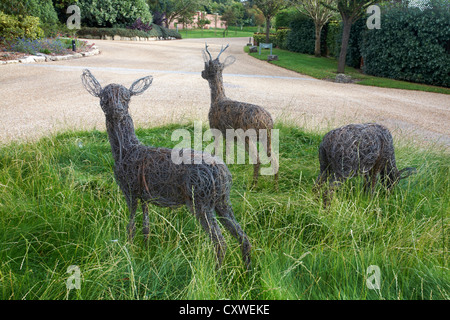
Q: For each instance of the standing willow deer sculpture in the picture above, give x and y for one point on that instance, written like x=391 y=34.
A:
x=225 y=113
x=149 y=175
x=358 y=149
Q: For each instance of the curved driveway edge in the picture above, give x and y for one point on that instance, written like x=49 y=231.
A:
x=41 y=98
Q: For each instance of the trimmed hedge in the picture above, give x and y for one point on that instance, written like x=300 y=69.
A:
x=278 y=39
x=334 y=31
x=110 y=32
x=260 y=37
x=302 y=36
x=412 y=45
x=156 y=31
x=282 y=35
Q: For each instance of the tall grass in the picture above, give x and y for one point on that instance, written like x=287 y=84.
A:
x=60 y=206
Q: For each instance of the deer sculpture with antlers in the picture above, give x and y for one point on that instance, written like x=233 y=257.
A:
x=150 y=175
x=225 y=113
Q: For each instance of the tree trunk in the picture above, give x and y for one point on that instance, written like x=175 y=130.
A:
x=267 y=29
x=317 y=43
x=168 y=20
x=344 y=45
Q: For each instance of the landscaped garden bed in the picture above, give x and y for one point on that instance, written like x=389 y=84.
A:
x=47 y=49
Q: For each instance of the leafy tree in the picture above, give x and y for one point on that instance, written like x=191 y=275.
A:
x=202 y=22
x=320 y=12
x=233 y=14
x=111 y=13
x=269 y=9
x=174 y=9
x=185 y=19
x=256 y=16
x=351 y=11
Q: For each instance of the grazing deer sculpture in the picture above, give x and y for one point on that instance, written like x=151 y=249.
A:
x=149 y=175
x=226 y=114
x=358 y=149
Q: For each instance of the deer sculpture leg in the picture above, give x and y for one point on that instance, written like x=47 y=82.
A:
x=373 y=180
x=145 y=221
x=267 y=145
x=209 y=223
x=333 y=184
x=252 y=151
x=226 y=217
x=132 y=206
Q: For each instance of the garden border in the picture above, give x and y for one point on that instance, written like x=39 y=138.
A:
x=122 y=38
x=41 y=57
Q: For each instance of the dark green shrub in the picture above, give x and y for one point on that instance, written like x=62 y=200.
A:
x=301 y=38
x=412 y=45
x=281 y=37
x=333 y=33
x=284 y=17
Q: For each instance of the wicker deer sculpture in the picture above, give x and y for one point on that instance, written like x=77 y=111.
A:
x=226 y=114
x=358 y=149
x=149 y=175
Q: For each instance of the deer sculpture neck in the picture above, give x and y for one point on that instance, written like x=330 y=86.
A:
x=122 y=136
x=217 y=89
x=213 y=74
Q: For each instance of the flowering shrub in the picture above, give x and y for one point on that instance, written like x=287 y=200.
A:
x=47 y=46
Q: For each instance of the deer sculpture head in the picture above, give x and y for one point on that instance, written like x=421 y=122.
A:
x=114 y=98
x=395 y=175
x=213 y=67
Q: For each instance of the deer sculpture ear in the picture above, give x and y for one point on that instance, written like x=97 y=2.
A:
x=139 y=86
x=90 y=83
x=229 y=61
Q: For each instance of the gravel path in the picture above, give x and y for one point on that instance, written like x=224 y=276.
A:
x=40 y=99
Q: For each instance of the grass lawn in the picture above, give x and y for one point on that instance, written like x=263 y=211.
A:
x=60 y=206
x=325 y=68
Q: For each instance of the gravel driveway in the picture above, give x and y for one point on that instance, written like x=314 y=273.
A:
x=40 y=99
